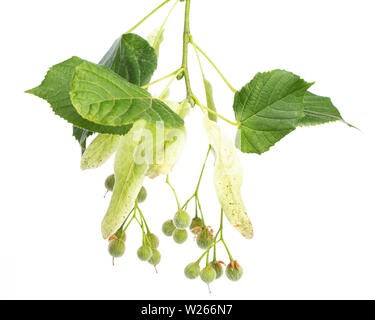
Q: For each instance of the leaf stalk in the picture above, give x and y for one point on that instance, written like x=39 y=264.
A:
x=213 y=64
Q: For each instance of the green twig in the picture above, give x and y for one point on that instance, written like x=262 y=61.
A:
x=173 y=74
x=200 y=209
x=226 y=248
x=221 y=235
x=210 y=247
x=195 y=195
x=204 y=166
x=149 y=15
x=130 y=221
x=174 y=192
x=142 y=216
x=126 y=219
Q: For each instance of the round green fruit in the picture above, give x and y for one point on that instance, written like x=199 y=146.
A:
x=181 y=219
x=180 y=236
x=116 y=248
x=208 y=274
x=192 y=270
x=154 y=240
x=142 y=195
x=110 y=182
x=234 y=274
x=168 y=228
x=218 y=269
x=155 y=258
x=204 y=239
x=144 y=253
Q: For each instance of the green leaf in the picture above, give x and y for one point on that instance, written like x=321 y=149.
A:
x=103 y=97
x=55 y=89
x=133 y=58
x=210 y=100
x=318 y=110
x=125 y=66
x=267 y=109
x=81 y=136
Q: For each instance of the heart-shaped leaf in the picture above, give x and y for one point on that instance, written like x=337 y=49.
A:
x=267 y=109
x=55 y=89
x=103 y=97
x=133 y=58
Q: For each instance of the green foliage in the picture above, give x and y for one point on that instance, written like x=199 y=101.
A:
x=56 y=88
x=274 y=104
x=132 y=58
x=81 y=136
x=110 y=98
x=318 y=110
x=103 y=97
x=267 y=109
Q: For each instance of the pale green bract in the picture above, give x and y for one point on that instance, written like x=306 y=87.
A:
x=169 y=143
x=99 y=151
x=228 y=177
x=181 y=108
x=168 y=150
x=130 y=171
x=155 y=39
x=102 y=96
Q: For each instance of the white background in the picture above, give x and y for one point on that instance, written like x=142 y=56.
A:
x=311 y=198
